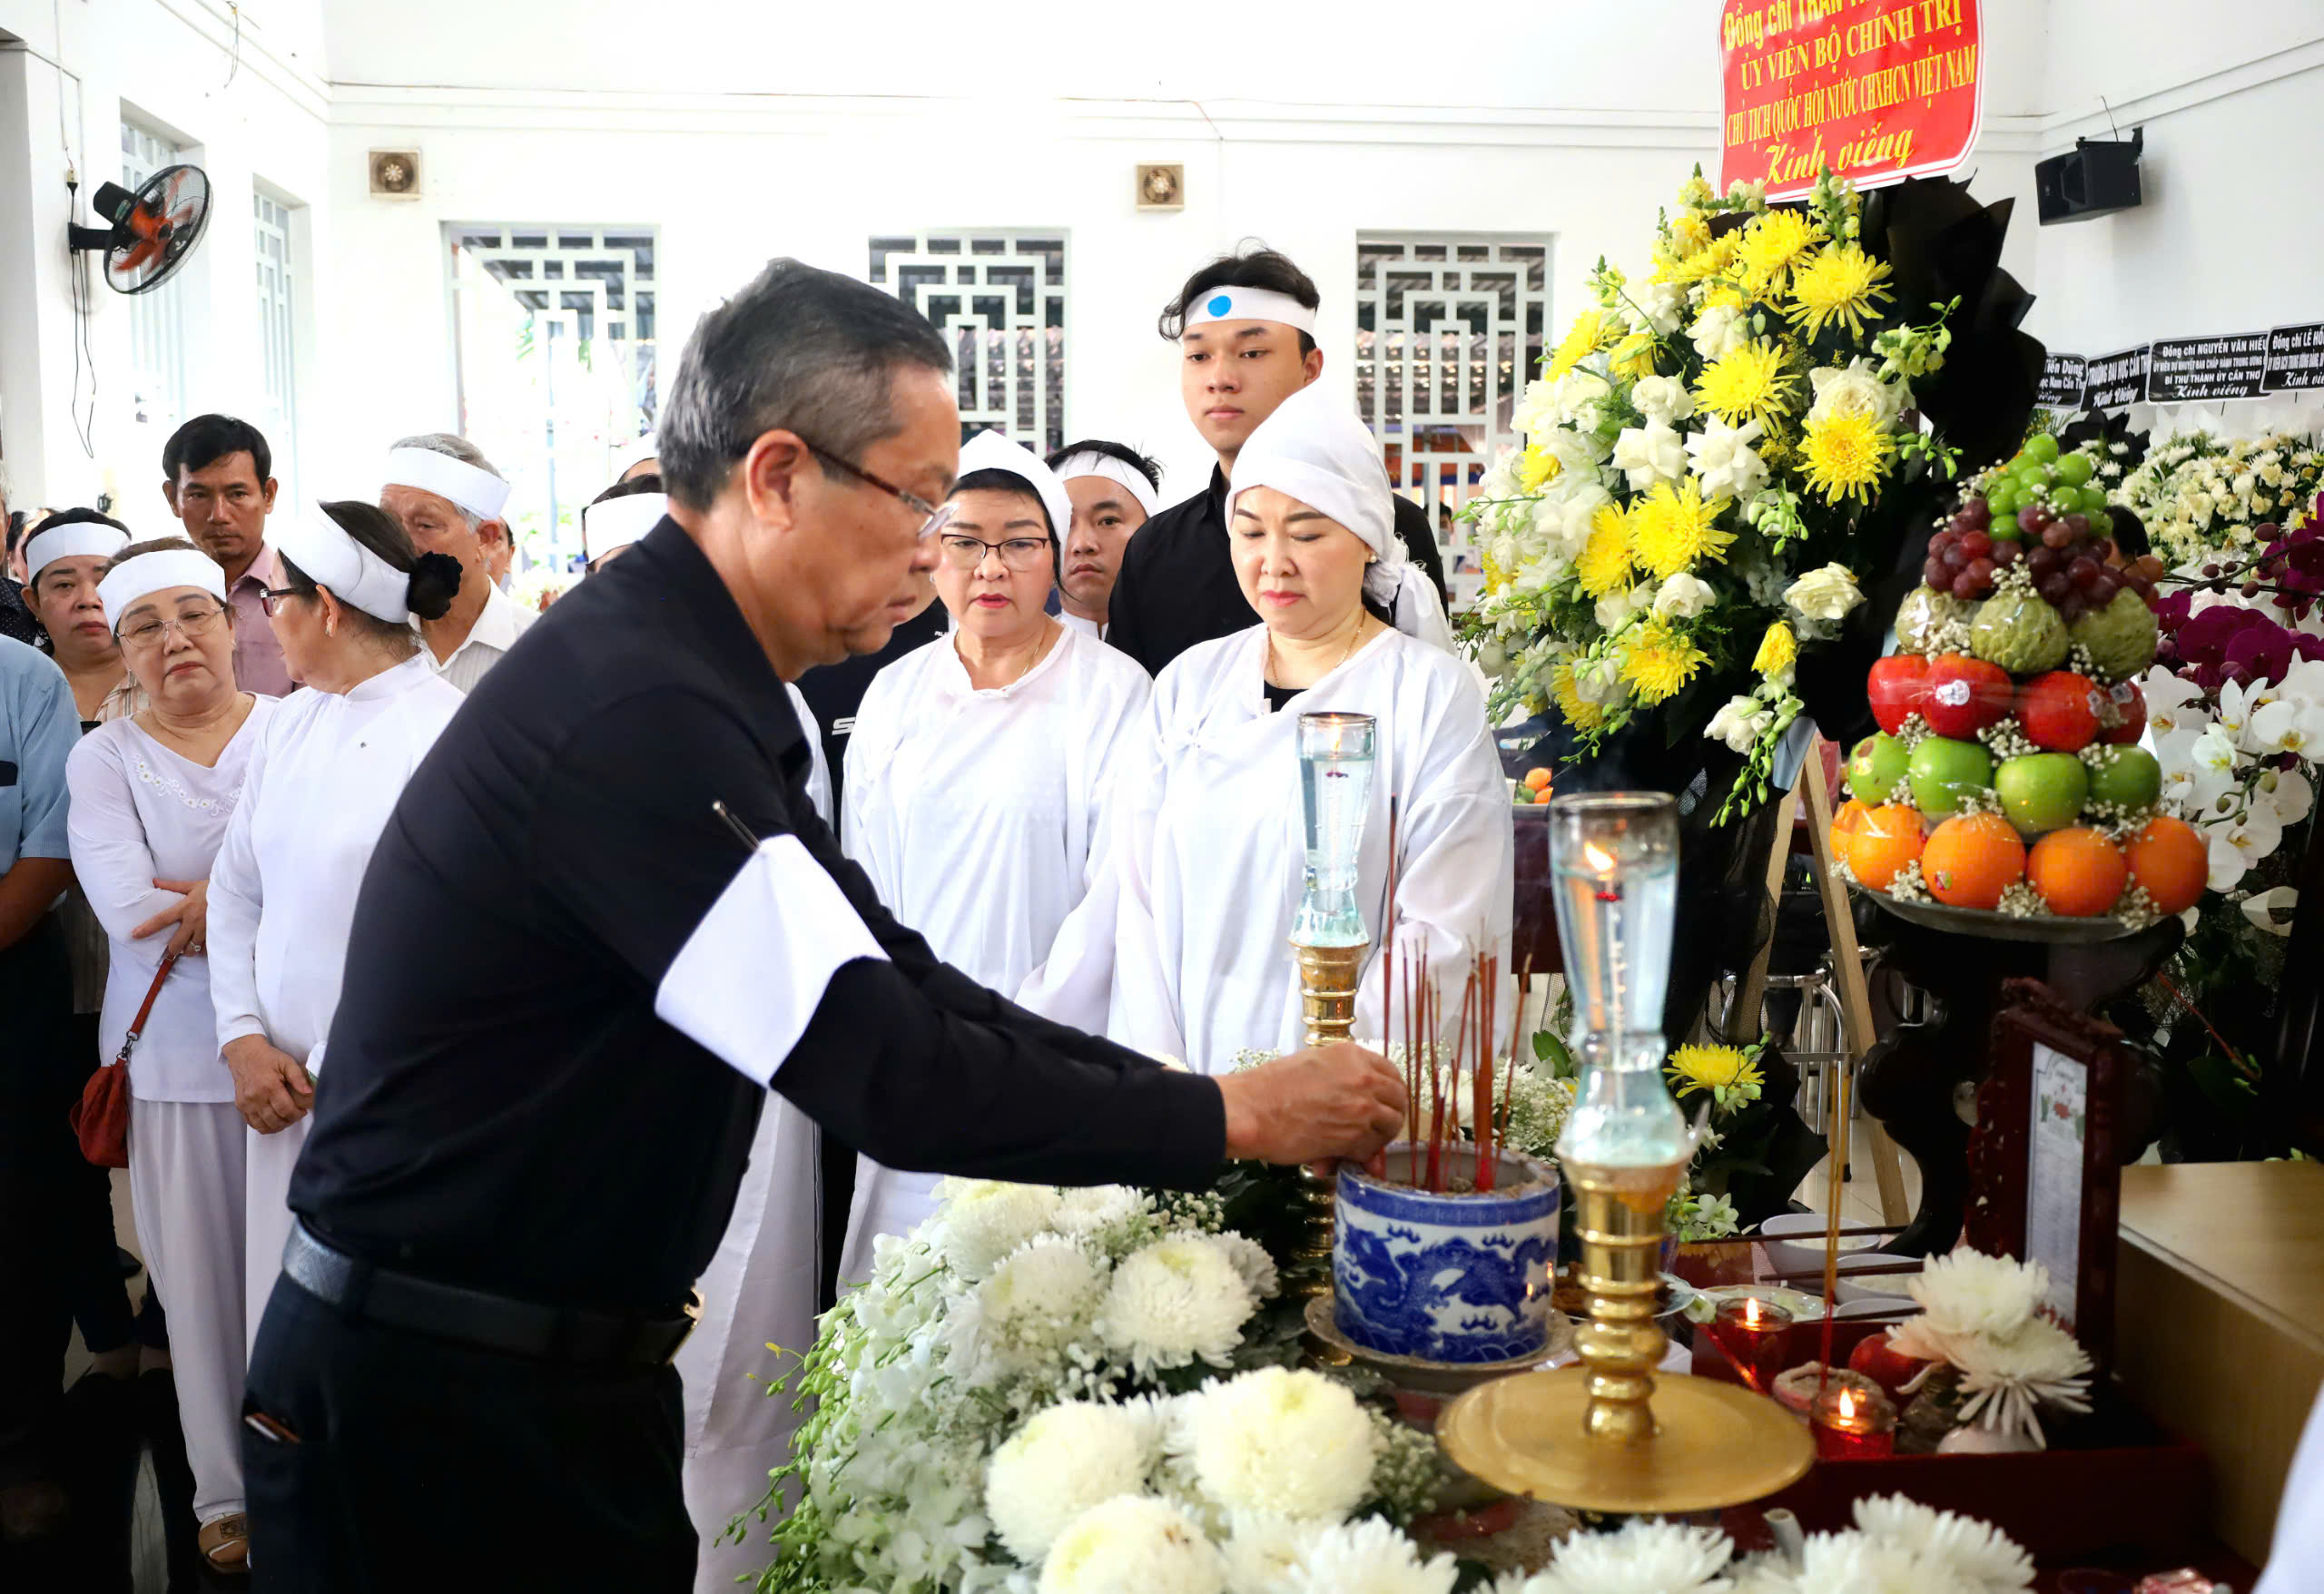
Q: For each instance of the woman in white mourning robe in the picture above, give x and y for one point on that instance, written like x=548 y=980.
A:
x=1186 y=953
x=981 y=768
x=152 y=795
x=318 y=792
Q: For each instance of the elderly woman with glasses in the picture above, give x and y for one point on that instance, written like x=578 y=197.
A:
x=981 y=766
x=151 y=796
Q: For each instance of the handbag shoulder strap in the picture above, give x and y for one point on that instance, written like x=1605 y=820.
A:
x=137 y=1025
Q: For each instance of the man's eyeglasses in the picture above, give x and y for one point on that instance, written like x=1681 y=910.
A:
x=936 y=515
x=1018 y=553
x=147 y=634
x=271 y=598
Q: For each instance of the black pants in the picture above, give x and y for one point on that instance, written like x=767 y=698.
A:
x=420 y=1464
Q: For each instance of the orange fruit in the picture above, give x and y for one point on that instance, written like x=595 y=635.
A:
x=1537 y=779
x=1970 y=859
x=1885 y=840
x=1844 y=828
x=1540 y=797
x=2077 y=870
x=2170 y=859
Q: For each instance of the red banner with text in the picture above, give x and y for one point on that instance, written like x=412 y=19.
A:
x=1877 y=90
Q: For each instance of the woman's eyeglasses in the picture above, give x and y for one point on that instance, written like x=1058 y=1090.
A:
x=147 y=634
x=1018 y=553
x=271 y=599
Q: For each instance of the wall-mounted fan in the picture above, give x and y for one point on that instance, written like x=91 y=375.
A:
x=153 y=230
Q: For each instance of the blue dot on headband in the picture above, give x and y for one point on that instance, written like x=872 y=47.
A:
x=1220 y=305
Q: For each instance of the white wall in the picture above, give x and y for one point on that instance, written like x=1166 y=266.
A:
x=251 y=110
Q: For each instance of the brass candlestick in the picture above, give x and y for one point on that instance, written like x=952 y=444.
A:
x=1620 y=1212
x=1327 y=983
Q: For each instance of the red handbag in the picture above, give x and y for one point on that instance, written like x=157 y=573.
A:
x=101 y=1118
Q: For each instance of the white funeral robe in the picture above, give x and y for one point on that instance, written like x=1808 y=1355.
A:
x=759 y=1290
x=973 y=813
x=316 y=796
x=1186 y=954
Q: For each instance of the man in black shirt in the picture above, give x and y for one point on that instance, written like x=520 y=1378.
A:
x=602 y=919
x=1245 y=325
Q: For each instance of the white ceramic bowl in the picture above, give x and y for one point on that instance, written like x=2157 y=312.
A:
x=1861 y=1302
x=1795 y=1242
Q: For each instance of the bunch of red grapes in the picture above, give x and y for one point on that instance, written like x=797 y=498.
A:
x=2068 y=561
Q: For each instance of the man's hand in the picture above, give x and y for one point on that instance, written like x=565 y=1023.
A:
x=191 y=915
x=1336 y=1100
x=271 y=1091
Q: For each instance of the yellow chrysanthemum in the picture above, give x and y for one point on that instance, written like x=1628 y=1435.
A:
x=1772 y=246
x=1536 y=469
x=1659 y=660
x=1605 y=562
x=1722 y=296
x=1671 y=527
x=1633 y=357
x=1688 y=233
x=1728 y=1072
x=1495 y=576
x=1841 y=284
x=1749 y=383
x=1715 y=260
x=1778 y=651
x=1592 y=330
x=1580 y=715
x=1846 y=456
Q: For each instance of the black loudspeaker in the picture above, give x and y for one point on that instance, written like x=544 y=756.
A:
x=2100 y=177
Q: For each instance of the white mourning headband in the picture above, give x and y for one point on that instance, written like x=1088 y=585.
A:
x=80 y=540
x=132 y=581
x=328 y=557
x=479 y=492
x=1250 y=304
x=992 y=451
x=1112 y=469
x=618 y=522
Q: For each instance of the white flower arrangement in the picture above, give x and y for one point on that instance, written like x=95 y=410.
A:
x=2223 y=760
x=2198 y=494
x=1980 y=1315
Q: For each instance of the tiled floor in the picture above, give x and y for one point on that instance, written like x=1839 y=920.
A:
x=1860 y=1197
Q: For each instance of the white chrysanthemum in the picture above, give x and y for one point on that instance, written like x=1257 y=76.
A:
x=1969 y=1292
x=1041 y=1291
x=1369 y=1557
x=1262 y=1549
x=2004 y=1378
x=1174 y=1301
x=1978 y=1552
x=1096 y=1209
x=1766 y=1574
x=1250 y=1260
x=1872 y=1566
x=1065 y=1461
x=1133 y=1543
x=980 y=1221
x=1641 y=1557
x=1279 y=1441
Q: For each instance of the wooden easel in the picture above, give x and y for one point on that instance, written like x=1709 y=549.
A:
x=1856 y=997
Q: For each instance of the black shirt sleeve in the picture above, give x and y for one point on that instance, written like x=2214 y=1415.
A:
x=1420 y=538
x=906 y=1059
x=1125 y=625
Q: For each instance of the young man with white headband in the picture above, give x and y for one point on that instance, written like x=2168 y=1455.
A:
x=1188 y=954
x=1115 y=490
x=1245 y=329
x=449 y=499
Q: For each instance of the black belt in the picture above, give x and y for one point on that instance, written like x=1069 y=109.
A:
x=478 y=1318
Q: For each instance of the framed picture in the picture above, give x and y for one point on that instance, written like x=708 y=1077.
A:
x=2045 y=1156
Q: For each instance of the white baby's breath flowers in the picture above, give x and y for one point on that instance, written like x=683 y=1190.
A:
x=1280 y=1440
x=1641 y=1557
x=1368 y=1557
x=1065 y=1461
x=983 y=1220
x=1826 y=594
x=1133 y=1542
x=1177 y=1301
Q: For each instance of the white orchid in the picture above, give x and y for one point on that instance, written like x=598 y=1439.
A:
x=1664 y=400
x=2287 y=795
x=2261 y=909
x=1740 y=723
x=2236 y=703
x=2239 y=846
x=1649 y=454
x=2215 y=750
x=1724 y=460
x=2168 y=699
x=2287 y=724
x=1683 y=596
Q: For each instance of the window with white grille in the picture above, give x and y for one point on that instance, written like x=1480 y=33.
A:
x=1448 y=330
x=554 y=332
x=276 y=336
x=998 y=298
x=156 y=317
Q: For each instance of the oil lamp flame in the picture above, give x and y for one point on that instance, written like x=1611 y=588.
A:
x=1845 y=1404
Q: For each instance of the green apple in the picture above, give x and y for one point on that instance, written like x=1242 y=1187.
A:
x=1942 y=769
x=2042 y=792
x=2130 y=780
x=1878 y=763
